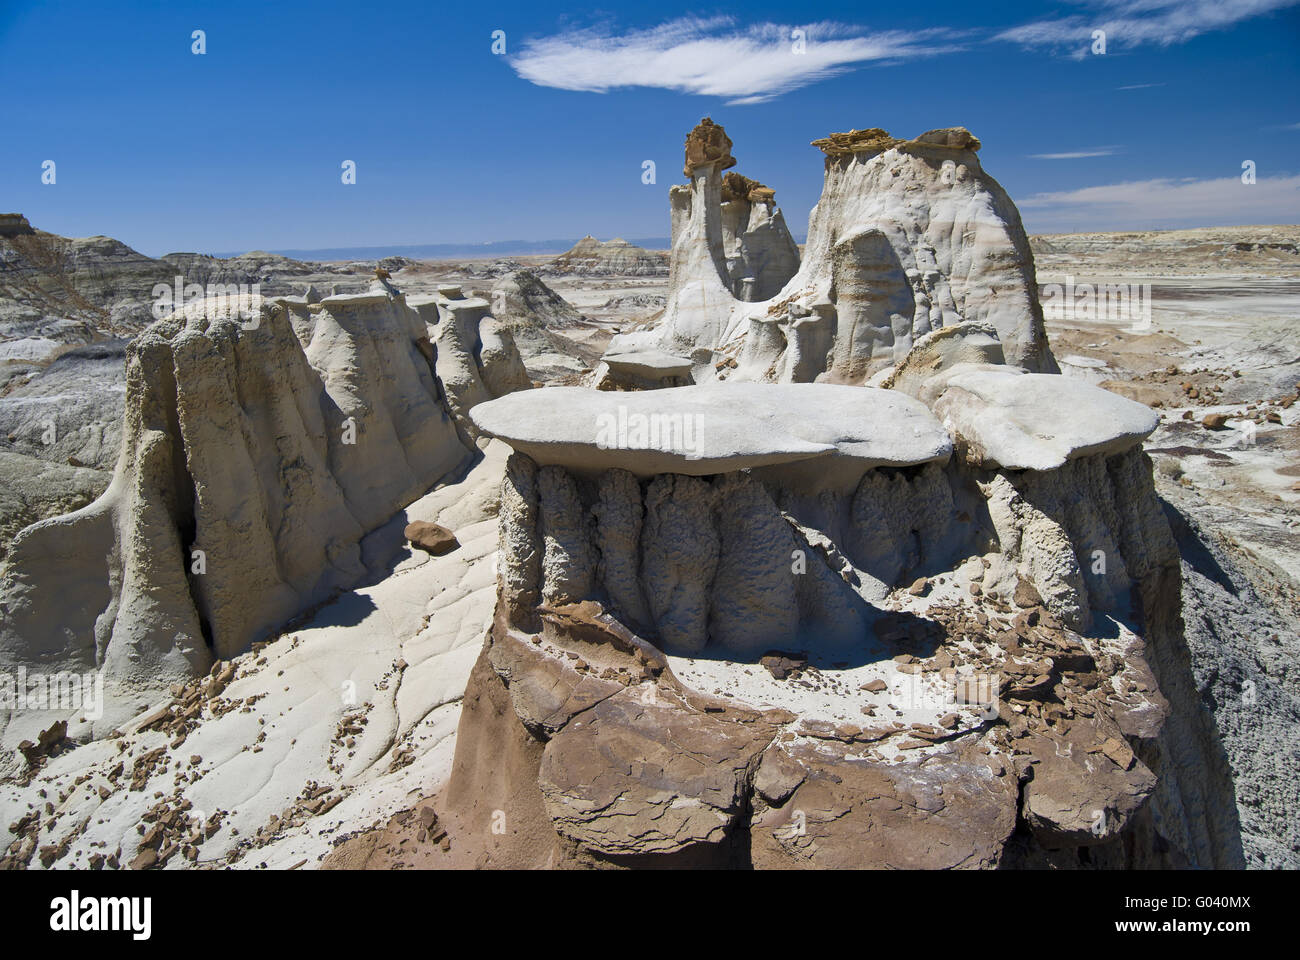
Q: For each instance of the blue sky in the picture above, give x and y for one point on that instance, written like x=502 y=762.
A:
x=241 y=148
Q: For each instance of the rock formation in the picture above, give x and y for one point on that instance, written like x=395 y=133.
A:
x=73 y=291
x=960 y=578
x=476 y=354
x=258 y=454
x=722 y=252
x=832 y=569
x=590 y=257
x=642 y=370
x=639 y=573
x=908 y=237
x=14 y=224
x=522 y=301
x=761 y=255
x=56 y=291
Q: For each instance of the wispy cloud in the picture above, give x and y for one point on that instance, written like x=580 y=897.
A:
x=1136 y=22
x=1075 y=154
x=1168 y=202
x=755 y=62
x=718 y=57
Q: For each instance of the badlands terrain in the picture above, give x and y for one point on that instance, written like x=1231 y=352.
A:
x=906 y=547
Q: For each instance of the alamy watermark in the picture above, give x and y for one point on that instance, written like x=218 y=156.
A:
x=63 y=691
x=974 y=691
x=1072 y=301
x=232 y=301
x=669 y=432
x=76 y=913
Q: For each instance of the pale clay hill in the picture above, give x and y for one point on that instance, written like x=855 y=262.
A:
x=735 y=594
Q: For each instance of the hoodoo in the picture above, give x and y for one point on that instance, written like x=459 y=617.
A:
x=967 y=566
x=257 y=457
x=908 y=237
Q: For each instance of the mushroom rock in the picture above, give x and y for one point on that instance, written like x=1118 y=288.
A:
x=717 y=428
x=1002 y=417
x=644 y=566
x=725 y=245
x=475 y=354
x=642 y=370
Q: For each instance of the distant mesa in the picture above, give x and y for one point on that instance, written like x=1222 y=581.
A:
x=591 y=257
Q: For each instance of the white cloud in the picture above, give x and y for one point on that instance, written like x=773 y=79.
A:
x=715 y=57
x=1075 y=154
x=1136 y=22
x=1167 y=202
x=1140 y=86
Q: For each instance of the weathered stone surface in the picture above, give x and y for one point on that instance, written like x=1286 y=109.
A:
x=70 y=412
x=520 y=551
x=940 y=350
x=33 y=490
x=873 y=139
x=679 y=557
x=648 y=364
x=629 y=777
x=708 y=143
x=545 y=689
x=754 y=605
x=778 y=775
x=619 y=517
x=245 y=485
x=716 y=428
x=568 y=566
x=950 y=812
x=1078 y=795
x=735 y=187
x=1004 y=418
